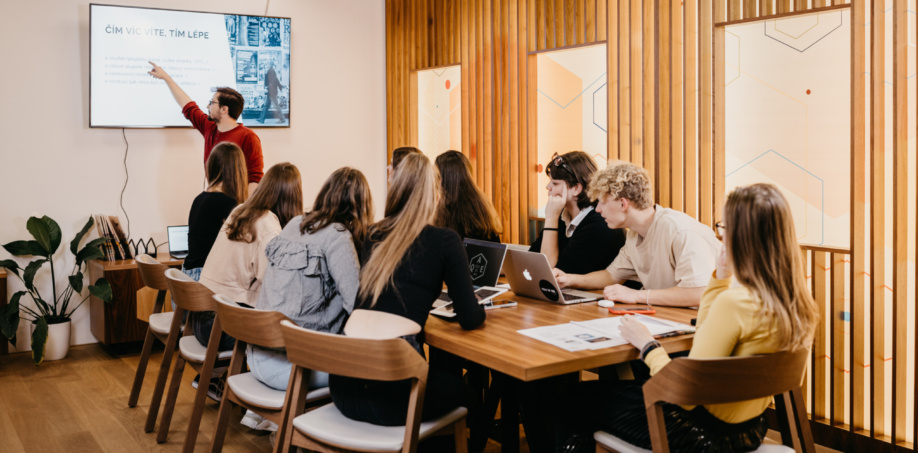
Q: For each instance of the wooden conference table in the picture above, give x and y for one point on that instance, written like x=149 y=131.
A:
x=497 y=345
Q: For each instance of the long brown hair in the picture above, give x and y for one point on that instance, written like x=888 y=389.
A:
x=410 y=206
x=575 y=167
x=280 y=191
x=226 y=166
x=762 y=245
x=344 y=198
x=463 y=207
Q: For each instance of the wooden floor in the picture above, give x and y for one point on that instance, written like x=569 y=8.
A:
x=79 y=404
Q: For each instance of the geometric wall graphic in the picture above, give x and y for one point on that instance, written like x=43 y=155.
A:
x=571 y=106
x=439 y=110
x=788 y=117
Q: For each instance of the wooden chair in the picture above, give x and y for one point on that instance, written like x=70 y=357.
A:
x=686 y=381
x=260 y=328
x=192 y=296
x=325 y=429
x=153 y=274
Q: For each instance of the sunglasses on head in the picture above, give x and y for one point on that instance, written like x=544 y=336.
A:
x=558 y=161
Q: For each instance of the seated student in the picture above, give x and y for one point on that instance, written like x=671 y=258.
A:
x=770 y=310
x=463 y=208
x=405 y=263
x=670 y=253
x=575 y=238
x=226 y=188
x=312 y=274
x=236 y=264
x=397 y=155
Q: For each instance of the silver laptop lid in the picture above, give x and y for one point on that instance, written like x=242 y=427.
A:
x=529 y=275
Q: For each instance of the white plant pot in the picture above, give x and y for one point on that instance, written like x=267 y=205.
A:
x=58 y=341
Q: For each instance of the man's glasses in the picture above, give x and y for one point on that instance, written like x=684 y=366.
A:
x=212 y=102
x=558 y=161
x=720 y=228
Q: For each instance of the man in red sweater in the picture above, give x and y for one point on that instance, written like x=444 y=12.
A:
x=219 y=124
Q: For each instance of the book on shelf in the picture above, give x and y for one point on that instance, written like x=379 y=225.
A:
x=109 y=227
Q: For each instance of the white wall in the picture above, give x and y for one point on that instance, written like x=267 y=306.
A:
x=52 y=163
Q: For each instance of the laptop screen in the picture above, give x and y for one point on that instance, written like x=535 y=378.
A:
x=485 y=261
x=178 y=238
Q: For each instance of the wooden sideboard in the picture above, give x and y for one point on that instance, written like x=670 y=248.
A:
x=117 y=322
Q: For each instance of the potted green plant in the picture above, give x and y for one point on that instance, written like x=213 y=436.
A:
x=49 y=315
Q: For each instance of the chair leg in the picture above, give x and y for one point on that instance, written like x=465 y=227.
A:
x=174 y=383
x=194 y=423
x=803 y=423
x=461 y=434
x=226 y=406
x=168 y=351
x=141 y=367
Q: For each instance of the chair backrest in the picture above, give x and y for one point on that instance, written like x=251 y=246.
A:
x=189 y=294
x=258 y=327
x=152 y=272
x=380 y=360
x=688 y=381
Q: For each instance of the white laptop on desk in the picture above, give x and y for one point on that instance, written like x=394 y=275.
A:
x=529 y=275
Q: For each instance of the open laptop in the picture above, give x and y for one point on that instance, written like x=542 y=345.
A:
x=529 y=275
x=178 y=241
x=485 y=262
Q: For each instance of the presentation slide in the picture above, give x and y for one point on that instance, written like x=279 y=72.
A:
x=201 y=51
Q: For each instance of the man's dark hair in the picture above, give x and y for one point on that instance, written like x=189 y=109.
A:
x=232 y=100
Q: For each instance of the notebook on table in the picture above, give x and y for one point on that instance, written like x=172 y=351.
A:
x=178 y=241
x=529 y=275
x=485 y=261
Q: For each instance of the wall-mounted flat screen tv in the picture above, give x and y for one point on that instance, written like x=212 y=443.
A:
x=201 y=51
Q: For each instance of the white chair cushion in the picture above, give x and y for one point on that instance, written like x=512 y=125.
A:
x=193 y=351
x=616 y=444
x=161 y=322
x=327 y=425
x=254 y=392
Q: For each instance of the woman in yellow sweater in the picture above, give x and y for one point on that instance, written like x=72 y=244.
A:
x=769 y=310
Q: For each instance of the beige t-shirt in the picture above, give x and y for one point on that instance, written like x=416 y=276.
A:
x=677 y=251
x=236 y=269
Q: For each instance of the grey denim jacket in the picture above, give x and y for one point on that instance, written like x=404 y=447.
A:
x=311 y=278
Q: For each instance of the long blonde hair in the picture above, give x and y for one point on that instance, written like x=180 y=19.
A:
x=410 y=206
x=762 y=244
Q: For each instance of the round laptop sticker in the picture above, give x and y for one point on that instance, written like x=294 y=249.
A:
x=548 y=290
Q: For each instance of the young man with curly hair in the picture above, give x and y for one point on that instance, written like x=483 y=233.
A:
x=670 y=253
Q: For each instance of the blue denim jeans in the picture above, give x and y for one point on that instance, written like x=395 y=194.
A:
x=271 y=367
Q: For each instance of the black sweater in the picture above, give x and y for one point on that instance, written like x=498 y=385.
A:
x=592 y=247
x=435 y=257
x=208 y=212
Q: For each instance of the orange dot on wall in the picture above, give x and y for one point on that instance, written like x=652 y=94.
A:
x=447 y=84
x=807 y=91
x=539 y=168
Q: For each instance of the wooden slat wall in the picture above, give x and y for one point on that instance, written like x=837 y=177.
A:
x=666 y=112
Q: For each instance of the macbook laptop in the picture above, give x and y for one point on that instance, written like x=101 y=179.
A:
x=485 y=261
x=529 y=275
x=178 y=241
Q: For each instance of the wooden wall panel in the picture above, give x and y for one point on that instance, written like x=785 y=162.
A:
x=900 y=222
x=624 y=81
x=877 y=315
